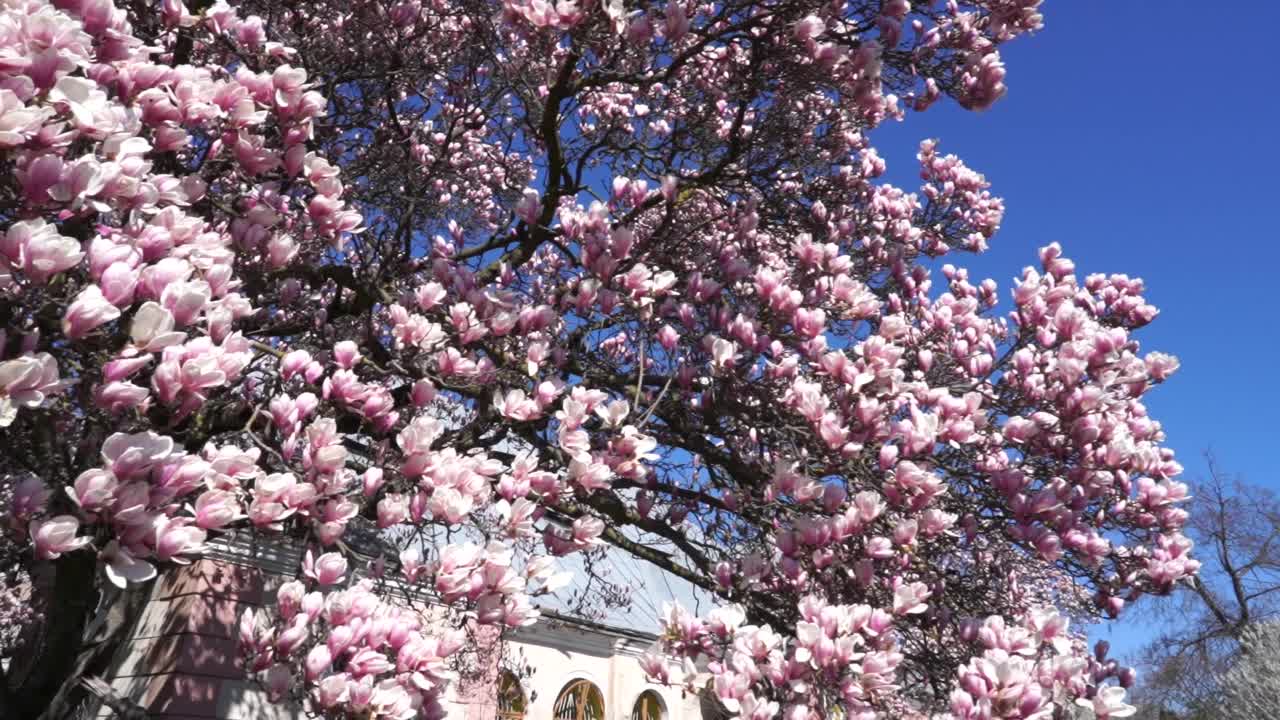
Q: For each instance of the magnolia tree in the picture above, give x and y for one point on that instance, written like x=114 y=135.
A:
x=513 y=280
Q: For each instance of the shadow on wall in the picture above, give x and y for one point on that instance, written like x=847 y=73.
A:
x=181 y=660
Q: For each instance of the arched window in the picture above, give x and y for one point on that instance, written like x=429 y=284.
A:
x=511 y=702
x=579 y=700
x=648 y=707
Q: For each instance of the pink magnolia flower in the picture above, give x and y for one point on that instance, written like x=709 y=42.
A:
x=20 y=122
x=909 y=598
x=90 y=310
x=152 y=328
x=530 y=206
x=516 y=405
x=131 y=455
x=294 y=362
x=117 y=397
x=668 y=338
x=543 y=577
x=175 y=537
x=810 y=27
x=613 y=413
x=371 y=481
x=289 y=598
x=293 y=637
x=655 y=666
x=57 y=535
x=346 y=354
x=450 y=505
x=186 y=300
x=587 y=530
x=392 y=509
x=122 y=567
x=724 y=353
x=329 y=569
x=93 y=490
x=215 y=509
x=369 y=662
x=590 y=476
x=37 y=248
x=333 y=690
x=411 y=564
x=423 y=393
x=26 y=382
x=809 y=323
x=317 y=662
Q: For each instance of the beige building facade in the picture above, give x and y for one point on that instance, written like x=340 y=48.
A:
x=180 y=660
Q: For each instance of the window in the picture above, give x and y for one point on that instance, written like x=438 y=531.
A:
x=511 y=701
x=648 y=707
x=579 y=700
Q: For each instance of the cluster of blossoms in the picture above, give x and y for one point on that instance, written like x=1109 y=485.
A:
x=850 y=646
x=356 y=651
x=1062 y=333
x=1029 y=669
x=1022 y=671
x=106 y=222
x=522 y=283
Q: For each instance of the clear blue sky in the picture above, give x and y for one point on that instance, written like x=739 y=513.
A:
x=1142 y=135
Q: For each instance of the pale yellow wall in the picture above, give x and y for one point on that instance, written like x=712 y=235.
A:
x=561 y=655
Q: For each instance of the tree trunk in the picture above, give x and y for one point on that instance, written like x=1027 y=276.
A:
x=52 y=654
x=8 y=702
x=110 y=627
x=78 y=636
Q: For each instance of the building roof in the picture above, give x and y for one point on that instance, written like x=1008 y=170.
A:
x=650 y=587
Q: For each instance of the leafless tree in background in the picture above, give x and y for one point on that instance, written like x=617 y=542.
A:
x=1236 y=527
x=1251 y=689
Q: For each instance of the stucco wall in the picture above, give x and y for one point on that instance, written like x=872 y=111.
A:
x=559 y=653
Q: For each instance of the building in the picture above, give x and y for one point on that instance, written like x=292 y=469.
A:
x=581 y=671
x=179 y=662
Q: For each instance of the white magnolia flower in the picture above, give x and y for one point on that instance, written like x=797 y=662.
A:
x=1108 y=703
